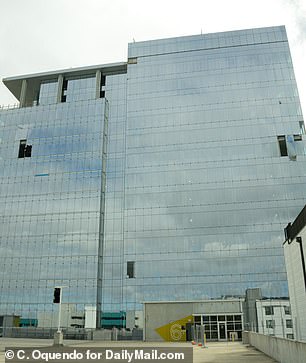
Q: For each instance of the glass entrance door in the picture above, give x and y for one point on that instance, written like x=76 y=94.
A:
x=221 y=331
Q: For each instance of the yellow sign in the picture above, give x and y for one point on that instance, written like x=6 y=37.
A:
x=175 y=331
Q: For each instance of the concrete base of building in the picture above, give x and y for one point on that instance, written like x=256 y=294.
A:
x=245 y=337
x=102 y=334
x=58 y=339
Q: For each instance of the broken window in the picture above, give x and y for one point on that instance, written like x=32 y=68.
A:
x=130 y=269
x=28 y=151
x=102 y=90
x=282 y=145
x=22 y=146
x=25 y=151
x=64 y=90
x=291 y=146
x=297 y=137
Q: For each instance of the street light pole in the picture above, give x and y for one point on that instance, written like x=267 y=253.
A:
x=58 y=295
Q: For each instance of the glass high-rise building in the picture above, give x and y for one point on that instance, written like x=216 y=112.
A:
x=166 y=177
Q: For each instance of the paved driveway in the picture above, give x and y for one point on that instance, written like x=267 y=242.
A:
x=216 y=352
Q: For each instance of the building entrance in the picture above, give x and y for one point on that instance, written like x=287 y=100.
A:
x=221 y=331
x=220 y=327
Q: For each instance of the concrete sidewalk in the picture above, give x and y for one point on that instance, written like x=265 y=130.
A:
x=216 y=352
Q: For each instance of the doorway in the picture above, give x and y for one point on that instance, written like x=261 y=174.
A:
x=188 y=332
x=222 y=331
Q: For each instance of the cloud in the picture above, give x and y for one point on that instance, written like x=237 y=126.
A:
x=298 y=10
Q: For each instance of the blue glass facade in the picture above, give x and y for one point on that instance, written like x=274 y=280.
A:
x=207 y=192
x=51 y=203
x=188 y=167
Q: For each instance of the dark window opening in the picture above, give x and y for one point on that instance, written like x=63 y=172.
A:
x=297 y=137
x=270 y=324
x=132 y=60
x=22 y=146
x=197 y=319
x=269 y=310
x=25 y=151
x=64 y=90
x=57 y=295
x=130 y=270
x=102 y=90
x=282 y=145
x=302 y=127
x=28 y=151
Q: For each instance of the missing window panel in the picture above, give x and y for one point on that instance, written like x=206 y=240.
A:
x=25 y=151
x=130 y=269
x=282 y=145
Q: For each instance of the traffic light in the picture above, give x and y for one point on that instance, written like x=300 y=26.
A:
x=57 y=295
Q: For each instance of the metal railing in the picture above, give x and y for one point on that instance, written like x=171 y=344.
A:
x=44 y=333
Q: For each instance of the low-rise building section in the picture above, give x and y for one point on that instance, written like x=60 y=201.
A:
x=274 y=318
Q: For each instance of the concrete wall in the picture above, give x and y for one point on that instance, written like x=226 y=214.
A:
x=282 y=350
x=162 y=318
x=296 y=285
x=250 y=318
x=102 y=334
x=161 y=314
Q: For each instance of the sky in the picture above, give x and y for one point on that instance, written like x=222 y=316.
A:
x=45 y=35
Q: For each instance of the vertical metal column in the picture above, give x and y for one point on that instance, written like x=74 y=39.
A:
x=299 y=241
x=98 y=83
x=60 y=82
x=102 y=215
x=59 y=312
x=23 y=93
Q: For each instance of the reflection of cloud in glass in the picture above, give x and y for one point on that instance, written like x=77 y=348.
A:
x=51 y=212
